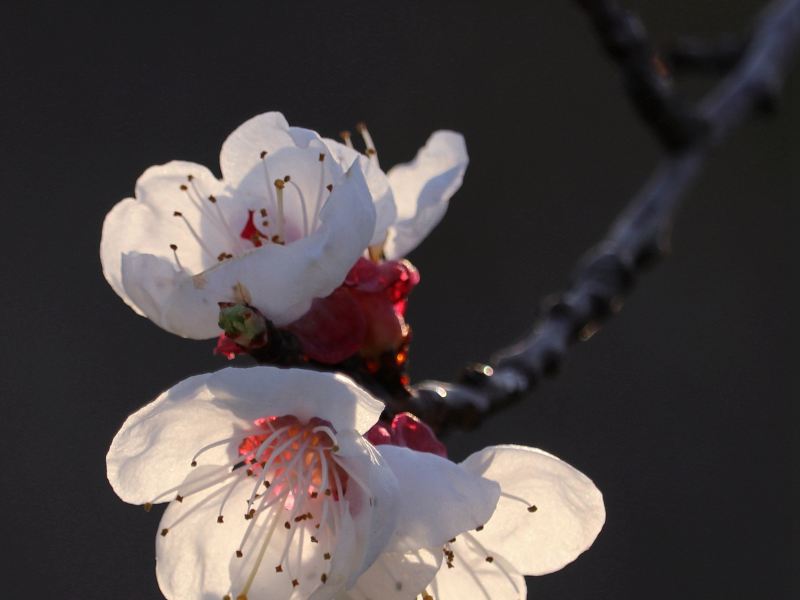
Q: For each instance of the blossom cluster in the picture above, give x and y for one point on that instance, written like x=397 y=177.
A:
x=297 y=482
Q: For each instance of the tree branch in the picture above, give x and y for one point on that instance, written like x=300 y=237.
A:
x=647 y=80
x=640 y=234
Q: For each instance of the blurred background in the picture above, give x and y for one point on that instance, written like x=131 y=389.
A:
x=682 y=409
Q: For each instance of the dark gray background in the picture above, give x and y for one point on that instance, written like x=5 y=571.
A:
x=681 y=410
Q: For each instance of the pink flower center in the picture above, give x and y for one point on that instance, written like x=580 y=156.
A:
x=295 y=451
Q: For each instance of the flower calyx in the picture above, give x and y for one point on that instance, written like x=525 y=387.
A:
x=244 y=329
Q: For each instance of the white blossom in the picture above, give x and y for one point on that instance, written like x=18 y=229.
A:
x=547 y=515
x=275 y=493
x=177 y=249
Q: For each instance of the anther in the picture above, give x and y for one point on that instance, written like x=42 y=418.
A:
x=173 y=246
x=184 y=187
x=212 y=199
x=263 y=212
x=323 y=578
x=287 y=525
x=279 y=569
x=453 y=541
x=345 y=135
x=164 y=532
x=329 y=187
x=220 y=519
x=279 y=183
x=327 y=556
x=328 y=492
x=479 y=528
x=179 y=498
x=147 y=506
x=177 y=213
x=262 y=154
x=321 y=156
x=532 y=508
x=295 y=583
x=287 y=178
x=241 y=597
x=314 y=540
x=314 y=494
x=190 y=177
x=194 y=463
x=489 y=559
x=226 y=597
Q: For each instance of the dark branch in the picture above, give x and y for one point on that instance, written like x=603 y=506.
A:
x=646 y=76
x=705 y=56
x=639 y=235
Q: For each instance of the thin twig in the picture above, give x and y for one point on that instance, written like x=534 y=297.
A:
x=639 y=234
x=646 y=76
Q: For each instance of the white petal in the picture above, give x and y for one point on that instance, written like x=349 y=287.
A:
x=378 y=184
x=372 y=493
x=241 y=151
x=473 y=577
x=300 y=392
x=146 y=224
x=440 y=499
x=172 y=299
x=397 y=576
x=196 y=559
x=152 y=452
x=422 y=189
x=282 y=280
x=569 y=508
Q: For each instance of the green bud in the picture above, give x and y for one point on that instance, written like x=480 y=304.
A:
x=243 y=324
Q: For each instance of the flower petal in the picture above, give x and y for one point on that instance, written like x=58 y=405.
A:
x=397 y=576
x=441 y=498
x=568 y=514
x=281 y=280
x=373 y=495
x=241 y=151
x=422 y=189
x=378 y=184
x=151 y=454
x=473 y=577
x=146 y=224
x=262 y=391
x=197 y=557
x=152 y=451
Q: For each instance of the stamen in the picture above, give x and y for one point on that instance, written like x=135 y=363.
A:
x=345 y=135
x=489 y=559
x=267 y=178
x=320 y=187
x=174 y=248
x=197 y=238
x=279 y=185
x=371 y=151
x=303 y=203
x=210 y=446
x=530 y=507
x=248 y=584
